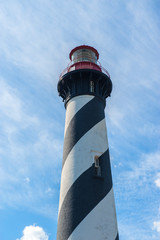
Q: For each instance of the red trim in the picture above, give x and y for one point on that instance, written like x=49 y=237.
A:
x=84 y=47
x=84 y=65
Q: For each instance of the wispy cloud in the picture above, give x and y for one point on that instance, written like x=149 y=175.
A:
x=27 y=146
x=149 y=163
x=22 y=41
x=138 y=183
x=156 y=226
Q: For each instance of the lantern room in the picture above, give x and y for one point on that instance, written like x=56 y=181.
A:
x=84 y=53
x=83 y=57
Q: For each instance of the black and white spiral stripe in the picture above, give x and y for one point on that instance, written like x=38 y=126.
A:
x=86 y=207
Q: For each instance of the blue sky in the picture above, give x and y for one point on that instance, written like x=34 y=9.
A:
x=35 y=40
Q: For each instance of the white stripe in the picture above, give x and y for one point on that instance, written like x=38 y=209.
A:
x=74 y=105
x=81 y=157
x=100 y=223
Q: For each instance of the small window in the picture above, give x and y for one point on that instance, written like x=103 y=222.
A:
x=96 y=161
x=91 y=86
x=97 y=166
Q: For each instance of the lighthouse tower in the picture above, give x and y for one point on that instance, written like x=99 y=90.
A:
x=86 y=205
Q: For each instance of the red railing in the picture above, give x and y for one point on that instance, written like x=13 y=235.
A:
x=70 y=65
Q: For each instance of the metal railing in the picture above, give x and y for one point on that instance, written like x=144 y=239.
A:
x=103 y=69
x=66 y=70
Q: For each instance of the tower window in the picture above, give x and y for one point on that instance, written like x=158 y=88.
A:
x=97 y=166
x=91 y=86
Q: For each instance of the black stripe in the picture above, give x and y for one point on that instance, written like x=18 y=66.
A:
x=89 y=115
x=85 y=193
x=117 y=238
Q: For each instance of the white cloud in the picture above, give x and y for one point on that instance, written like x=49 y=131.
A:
x=157 y=181
x=33 y=232
x=148 y=165
x=116 y=117
x=28 y=39
x=29 y=148
x=150 y=130
x=133 y=231
x=156 y=226
x=13 y=108
x=136 y=190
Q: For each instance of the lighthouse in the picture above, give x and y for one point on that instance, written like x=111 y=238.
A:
x=86 y=205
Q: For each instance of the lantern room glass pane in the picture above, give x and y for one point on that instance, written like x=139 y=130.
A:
x=82 y=55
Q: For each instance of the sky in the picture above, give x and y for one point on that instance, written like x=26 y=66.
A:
x=36 y=38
